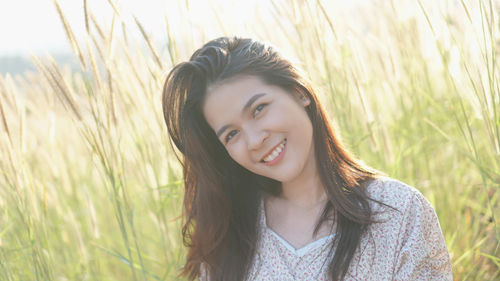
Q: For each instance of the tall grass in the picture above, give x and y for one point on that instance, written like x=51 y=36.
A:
x=89 y=186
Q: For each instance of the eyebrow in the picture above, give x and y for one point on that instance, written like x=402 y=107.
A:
x=245 y=108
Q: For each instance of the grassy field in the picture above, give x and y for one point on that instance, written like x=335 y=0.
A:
x=90 y=189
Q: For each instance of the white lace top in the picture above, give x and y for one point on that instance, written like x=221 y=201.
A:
x=406 y=245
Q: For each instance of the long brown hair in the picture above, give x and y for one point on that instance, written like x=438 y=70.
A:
x=221 y=197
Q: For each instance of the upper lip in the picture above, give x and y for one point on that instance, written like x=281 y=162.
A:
x=270 y=151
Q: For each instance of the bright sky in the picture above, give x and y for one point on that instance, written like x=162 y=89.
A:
x=34 y=26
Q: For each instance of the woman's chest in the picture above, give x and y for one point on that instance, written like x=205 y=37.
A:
x=276 y=260
x=297 y=226
x=280 y=257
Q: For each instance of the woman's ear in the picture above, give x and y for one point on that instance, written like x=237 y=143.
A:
x=305 y=100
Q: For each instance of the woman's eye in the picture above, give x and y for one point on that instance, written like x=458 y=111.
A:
x=259 y=108
x=230 y=135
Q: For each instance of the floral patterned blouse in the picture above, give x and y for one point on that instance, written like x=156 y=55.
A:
x=405 y=245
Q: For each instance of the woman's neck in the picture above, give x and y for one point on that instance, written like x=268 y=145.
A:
x=306 y=191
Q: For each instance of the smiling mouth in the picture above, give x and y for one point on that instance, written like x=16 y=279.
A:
x=271 y=156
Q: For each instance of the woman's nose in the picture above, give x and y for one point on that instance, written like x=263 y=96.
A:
x=255 y=138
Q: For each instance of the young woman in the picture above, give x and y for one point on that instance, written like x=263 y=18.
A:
x=270 y=191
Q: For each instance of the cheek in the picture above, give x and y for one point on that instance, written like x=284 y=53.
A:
x=297 y=120
x=238 y=154
x=302 y=129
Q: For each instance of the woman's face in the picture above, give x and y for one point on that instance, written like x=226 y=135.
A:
x=264 y=128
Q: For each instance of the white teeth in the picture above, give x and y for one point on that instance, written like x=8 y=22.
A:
x=275 y=152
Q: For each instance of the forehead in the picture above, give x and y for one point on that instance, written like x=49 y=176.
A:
x=237 y=87
x=225 y=100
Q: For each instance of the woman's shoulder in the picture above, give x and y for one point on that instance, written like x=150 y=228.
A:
x=410 y=233
x=407 y=235
x=394 y=193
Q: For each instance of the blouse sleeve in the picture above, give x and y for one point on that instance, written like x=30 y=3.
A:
x=423 y=254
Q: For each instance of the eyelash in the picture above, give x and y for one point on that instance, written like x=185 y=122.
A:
x=226 y=139
x=261 y=106
x=258 y=109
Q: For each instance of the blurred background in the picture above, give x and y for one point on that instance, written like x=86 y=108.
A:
x=90 y=188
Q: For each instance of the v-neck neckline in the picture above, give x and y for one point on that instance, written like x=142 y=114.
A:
x=296 y=251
